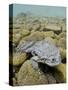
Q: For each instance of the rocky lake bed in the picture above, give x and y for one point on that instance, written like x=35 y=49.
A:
x=28 y=28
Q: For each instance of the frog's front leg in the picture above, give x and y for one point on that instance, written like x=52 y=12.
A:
x=34 y=62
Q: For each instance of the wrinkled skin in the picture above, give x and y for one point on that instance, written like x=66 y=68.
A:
x=42 y=51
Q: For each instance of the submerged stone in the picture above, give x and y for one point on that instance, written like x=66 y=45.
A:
x=18 y=59
x=29 y=76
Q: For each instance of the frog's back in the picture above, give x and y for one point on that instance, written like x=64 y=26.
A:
x=45 y=48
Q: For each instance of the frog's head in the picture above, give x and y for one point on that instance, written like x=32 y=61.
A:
x=53 y=61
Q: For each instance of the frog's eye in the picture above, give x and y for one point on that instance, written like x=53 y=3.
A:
x=53 y=60
x=34 y=53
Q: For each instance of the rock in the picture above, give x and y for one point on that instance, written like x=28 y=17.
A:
x=63 y=54
x=62 y=43
x=16 y=26
x=39 y=35
x=35 y=25
x=18 y=58
x=14 y=81
x=53 y=27
x=49 y=34
x=25 y=33
x=62 y=35
x=35 y=36
x=29 y=76
x=16 y=31
x=17 y=35
x=64 y=28
x=16 y=38
x=51 y=79
x=60 y=73
x=56 y=36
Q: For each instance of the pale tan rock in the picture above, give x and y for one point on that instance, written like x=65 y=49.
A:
x=62 y=43
x=25 y=32
x=29 y=76
x=62 y=35
x=49 y=34
x=16 y=38
x=53 y=27
x=63 y=54
x=35 y=36
x=14 y=81
x=61 y=72
x=18 y=59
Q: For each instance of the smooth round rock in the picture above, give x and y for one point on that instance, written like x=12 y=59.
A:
x=29 y=76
